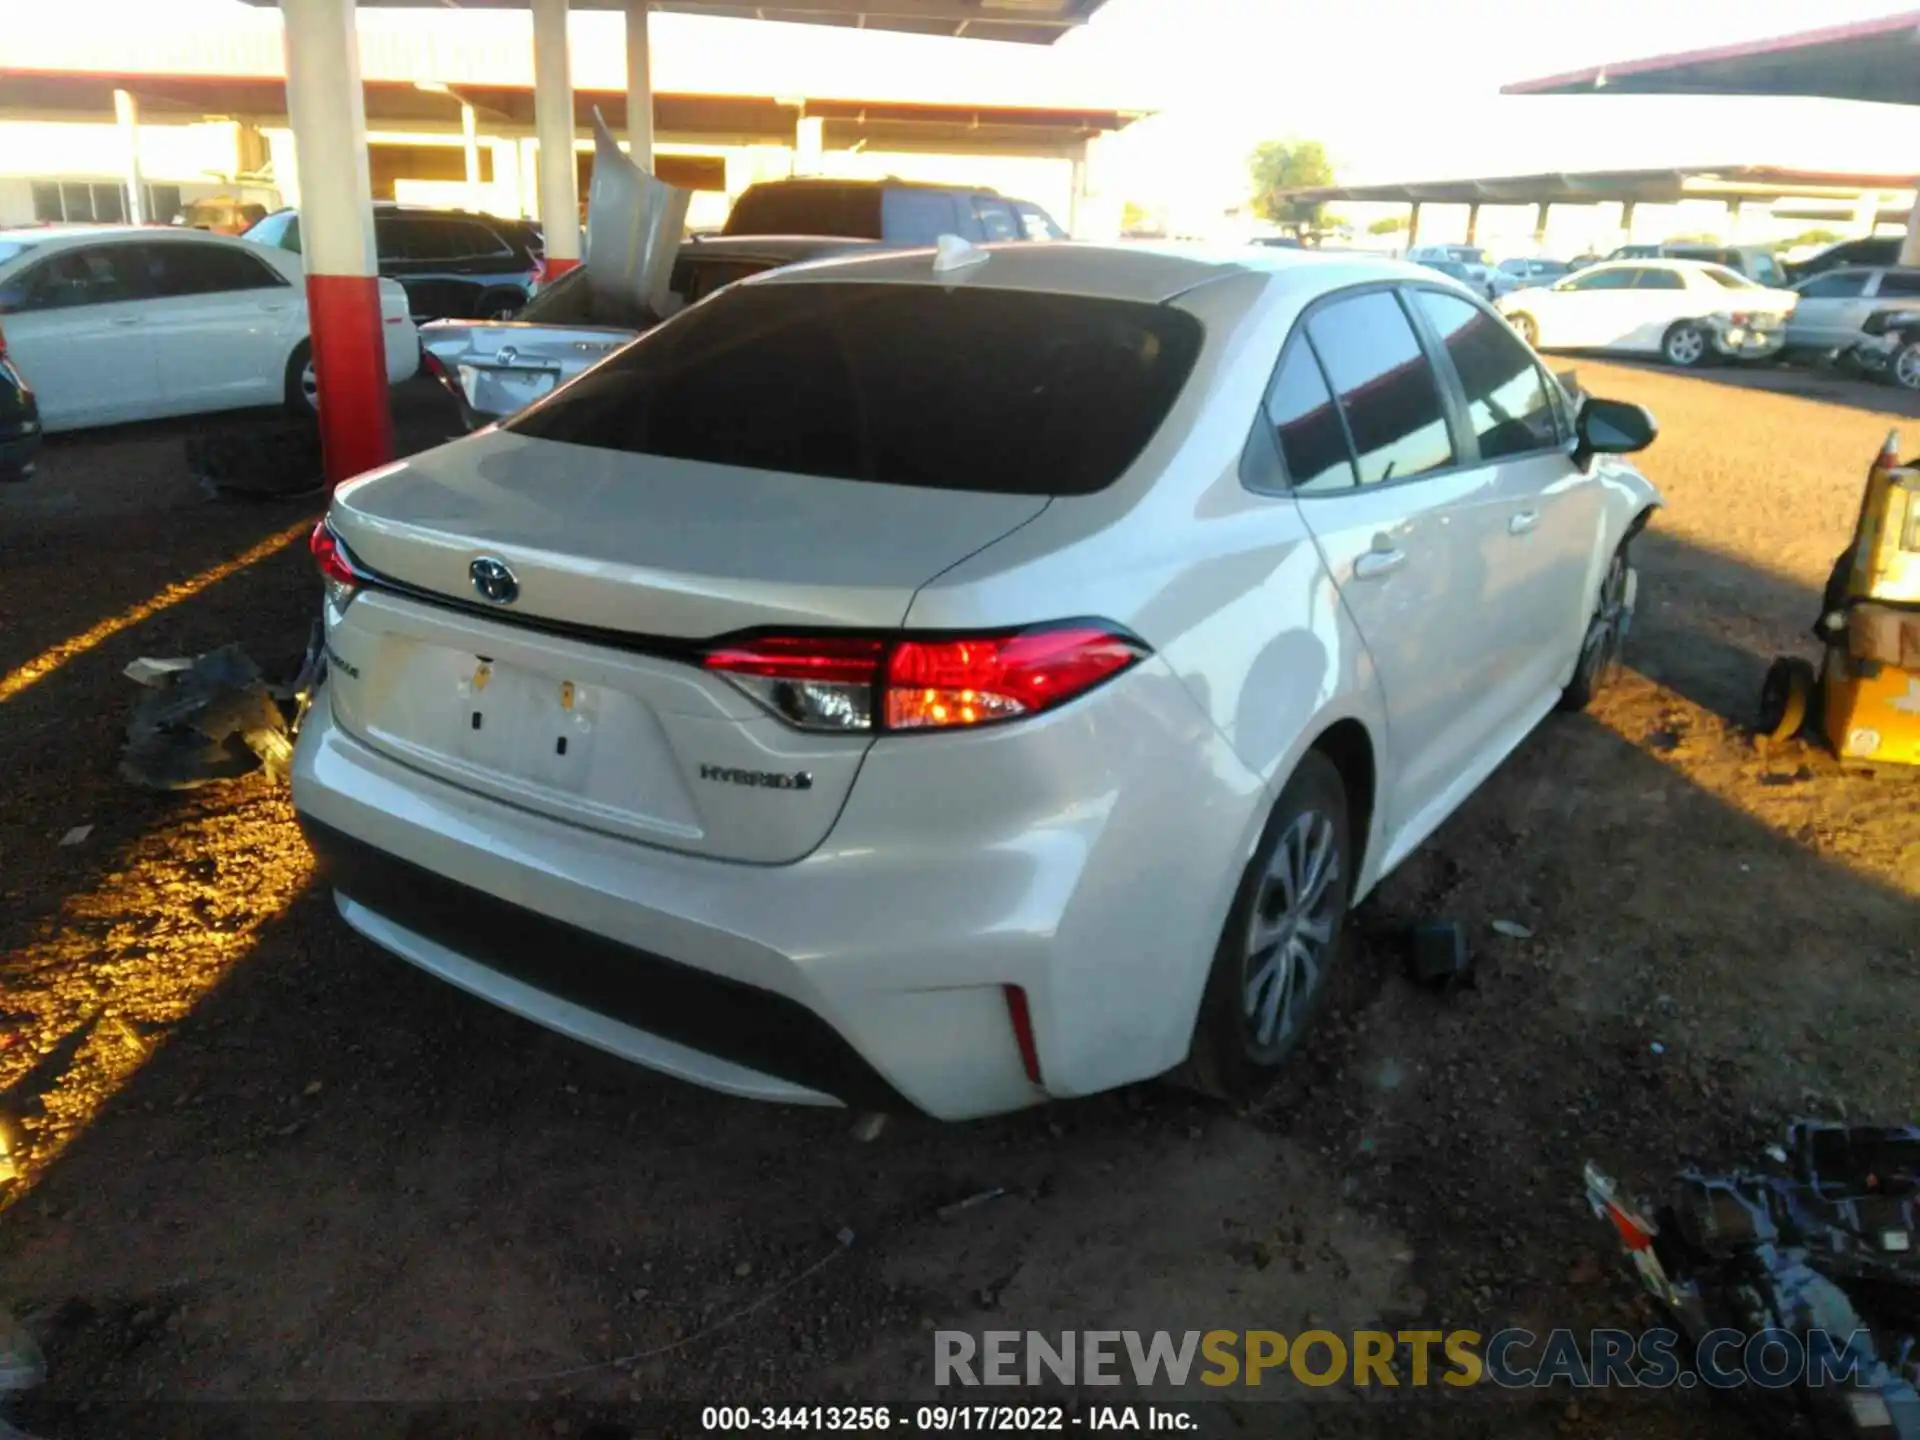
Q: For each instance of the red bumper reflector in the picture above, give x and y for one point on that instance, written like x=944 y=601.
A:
x=1022 y=1023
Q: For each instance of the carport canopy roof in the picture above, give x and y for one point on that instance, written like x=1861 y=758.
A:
x=1030 y=22
x=1875 y=60
x=1666 y=186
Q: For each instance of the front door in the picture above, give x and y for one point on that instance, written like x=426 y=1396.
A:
x=77 y=328
x=1546 y=508
x=1830 y=311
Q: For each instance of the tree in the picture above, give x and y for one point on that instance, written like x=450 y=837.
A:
x=1281 y=165
x=1816 y=236
x=1391 y=225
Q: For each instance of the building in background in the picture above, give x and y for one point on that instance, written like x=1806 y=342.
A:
x=196 y=110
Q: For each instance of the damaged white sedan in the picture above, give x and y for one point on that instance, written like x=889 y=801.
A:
x=955 y=682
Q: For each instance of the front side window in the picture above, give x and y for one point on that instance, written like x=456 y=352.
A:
x=1508 y=403
x=1386 y=387
x=921 y=217
x=1012 y=392
x=1651 y=279
x=1306 y=426
x=96 y=275
x=1037 y=224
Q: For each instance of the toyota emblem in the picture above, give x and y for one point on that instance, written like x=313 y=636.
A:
x=494 y=580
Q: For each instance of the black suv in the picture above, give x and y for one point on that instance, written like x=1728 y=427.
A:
x=895 y=212
x=455 y=265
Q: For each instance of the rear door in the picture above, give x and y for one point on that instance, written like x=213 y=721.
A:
x=1406 y=531
x=77 y=328
x=221 y=322
x=1658 y=298
x=1541 y=552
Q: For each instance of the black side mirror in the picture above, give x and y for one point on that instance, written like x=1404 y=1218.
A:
x=1612 y=427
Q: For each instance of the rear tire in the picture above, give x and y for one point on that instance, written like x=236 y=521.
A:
x=1282 y=938
x=1526 y=327
x=302 y=387
x=1685 y=345
x=1786 y=697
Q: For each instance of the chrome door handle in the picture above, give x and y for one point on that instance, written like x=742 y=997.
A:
x=1375 y=563
x=124 y=320
x=1521 y=523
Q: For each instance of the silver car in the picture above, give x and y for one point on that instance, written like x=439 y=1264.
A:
x=495 y=367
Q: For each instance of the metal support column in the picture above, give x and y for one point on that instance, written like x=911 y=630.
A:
x=553 y=128
x=639 y=85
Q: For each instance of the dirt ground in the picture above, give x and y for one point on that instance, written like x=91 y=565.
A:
x=264 y=1162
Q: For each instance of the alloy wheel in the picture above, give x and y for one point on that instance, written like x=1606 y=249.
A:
x=310 y=387
x=1906 y=367
x=1686 y=345
x=1290 y=932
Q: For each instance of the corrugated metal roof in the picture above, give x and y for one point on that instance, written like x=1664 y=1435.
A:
x=1867 y=60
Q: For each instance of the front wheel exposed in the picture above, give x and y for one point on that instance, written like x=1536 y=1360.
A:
x=302 y=382
x=1605 y=637
x=1904 y=368
x=1282 y=938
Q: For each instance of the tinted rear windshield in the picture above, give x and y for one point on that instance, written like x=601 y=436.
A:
x=851 y=210
x=967 y=389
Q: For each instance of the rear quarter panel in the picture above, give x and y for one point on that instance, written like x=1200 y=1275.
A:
x=1229 y=589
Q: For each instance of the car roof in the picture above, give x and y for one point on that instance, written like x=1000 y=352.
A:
x=1146 y=272
x=60 y=236
x=891 y=182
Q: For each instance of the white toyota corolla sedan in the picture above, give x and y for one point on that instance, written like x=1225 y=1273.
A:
x=1685 y=311
x=125 y=322
x=960 y=683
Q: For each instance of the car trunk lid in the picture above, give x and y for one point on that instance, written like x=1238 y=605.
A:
x=584 y=698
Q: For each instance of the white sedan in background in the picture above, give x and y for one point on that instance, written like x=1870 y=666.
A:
x=1686 y=311
x=958 y=680
x=117 y=323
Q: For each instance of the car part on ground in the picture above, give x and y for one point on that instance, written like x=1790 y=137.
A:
x=212 y=718
x=1814 y=1250
x=721 y=711
x=274 y=459
x=1864 y=700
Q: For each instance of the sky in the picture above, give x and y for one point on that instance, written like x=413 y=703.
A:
x=1403 y=90
x=1410 y=90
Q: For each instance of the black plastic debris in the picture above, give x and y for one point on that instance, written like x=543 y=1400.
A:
x=258 y=461
x=1818 y=1247
x=212 y=718
x=1438 y=955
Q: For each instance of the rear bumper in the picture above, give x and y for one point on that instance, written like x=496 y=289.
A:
x=874 y=972
x=1749 y=344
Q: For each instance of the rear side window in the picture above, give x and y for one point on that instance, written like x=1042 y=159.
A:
x=966 y=389
x=1385 y=384
x=1306 y=426
x=1840 y=285
x=1037 y=223
x=1507 y=398
x=96 y=275
x=776 y=209
x=1651 y=279
x=1900 y=282
x=178 y=268
x=921 y=217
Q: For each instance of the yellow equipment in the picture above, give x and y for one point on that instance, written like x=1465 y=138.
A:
x=1865 y=698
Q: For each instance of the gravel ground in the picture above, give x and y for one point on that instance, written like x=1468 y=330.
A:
x=264 y=1162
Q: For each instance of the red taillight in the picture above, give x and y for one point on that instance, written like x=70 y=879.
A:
x=841 y=682
x=933 y=684
x=336 y=569
x=3 y=342
x=1740 y=317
